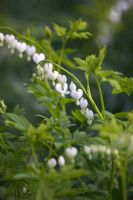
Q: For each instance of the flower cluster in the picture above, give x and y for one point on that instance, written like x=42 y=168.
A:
x=70 y=152
x=46 y=70
x=93 y=150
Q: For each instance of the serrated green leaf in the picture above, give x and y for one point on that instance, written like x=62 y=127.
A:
x=60 y=30
x=78 y=116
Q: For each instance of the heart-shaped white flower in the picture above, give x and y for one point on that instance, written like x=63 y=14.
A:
x=62 y=79
x=52 y=75
x=21 y=47
x=72 y=86
x=9 y=39
x=76 y=94
x=62 y=89
x=30 y=50
x=89 y=114
x=52 y=163
x=71 y=152
x=38 y=57
x=83 y=103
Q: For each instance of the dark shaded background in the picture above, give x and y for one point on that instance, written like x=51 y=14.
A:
x=117 y=35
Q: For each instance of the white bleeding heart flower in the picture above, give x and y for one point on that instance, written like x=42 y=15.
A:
x=58 y=88
x=102 y=148
x=71 y=152
x=72 y=86
x=38 y=57
x=62 y=79
x=13 y=45
x=87 y=150
x=94 y=149
x=62 y=89
x=1 y=39
x=76 y=94
x=61 y=161
x=52 y=75
x=83 y=103
x=48 y=67
x=30 y=50
x=55 y=75
x=51 y=163
x=9 y=39
x=21 y=47
x=89 y=114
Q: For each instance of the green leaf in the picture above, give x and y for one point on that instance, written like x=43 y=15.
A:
x=60 y=31
x=77 y=30
x=78 y=116
x=91 y=64
x=102 y=54
x=16 y=121
x=118 y=82
x=122 y=115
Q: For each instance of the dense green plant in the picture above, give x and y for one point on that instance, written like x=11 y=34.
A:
x=72 y=153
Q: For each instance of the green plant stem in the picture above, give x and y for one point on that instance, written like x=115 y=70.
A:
x=104 y=170
x=82 y=87
x=34 y=154
x=101 y=95
x=112 y=175
x=62 y=51
x=123 y=171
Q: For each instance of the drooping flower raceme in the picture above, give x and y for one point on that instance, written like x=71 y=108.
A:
x=59 y=80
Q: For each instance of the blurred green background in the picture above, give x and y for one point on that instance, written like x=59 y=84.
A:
x=110 y=22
